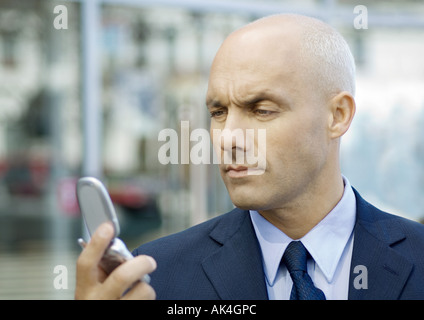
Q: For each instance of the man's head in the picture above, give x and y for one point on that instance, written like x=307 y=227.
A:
x=292 y=76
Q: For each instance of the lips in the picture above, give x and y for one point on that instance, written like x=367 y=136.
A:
x=236 y=171
x=239 y=171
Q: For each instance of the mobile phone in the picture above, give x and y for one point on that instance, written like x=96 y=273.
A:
x=97 y=208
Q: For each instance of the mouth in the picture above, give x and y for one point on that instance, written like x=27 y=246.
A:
x=239 y=171
x=236 y=171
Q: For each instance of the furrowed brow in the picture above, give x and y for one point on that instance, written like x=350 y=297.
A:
x=263 y=96
x=214 y=103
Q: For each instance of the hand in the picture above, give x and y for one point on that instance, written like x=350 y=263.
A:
x=93 y=283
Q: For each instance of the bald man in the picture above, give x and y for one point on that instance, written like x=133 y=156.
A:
x=299 y=230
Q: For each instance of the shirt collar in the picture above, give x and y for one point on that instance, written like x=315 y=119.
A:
x=325 y=242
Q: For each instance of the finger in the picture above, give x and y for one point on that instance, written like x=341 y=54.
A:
x=140 y=291
x=87 y=270
x=127 y=274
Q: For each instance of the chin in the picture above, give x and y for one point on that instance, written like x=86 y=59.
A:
x=245 y=193
x=247 y=203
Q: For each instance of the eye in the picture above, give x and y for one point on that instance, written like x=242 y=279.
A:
x=217 y=113
x=263 y=112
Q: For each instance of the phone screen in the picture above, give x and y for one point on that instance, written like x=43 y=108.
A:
x=95 y=204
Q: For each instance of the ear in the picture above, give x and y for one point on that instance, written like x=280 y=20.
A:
x=342 y=109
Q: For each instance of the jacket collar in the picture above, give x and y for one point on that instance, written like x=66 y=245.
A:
x=377 y=270
x=235 y=269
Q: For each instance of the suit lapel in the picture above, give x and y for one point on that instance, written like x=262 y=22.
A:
x=377 y=270
x=235 y=269
x=374 y=260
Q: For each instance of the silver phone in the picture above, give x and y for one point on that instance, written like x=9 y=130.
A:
x=97 y=208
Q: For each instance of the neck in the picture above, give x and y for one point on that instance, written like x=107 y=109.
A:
x=299 y=216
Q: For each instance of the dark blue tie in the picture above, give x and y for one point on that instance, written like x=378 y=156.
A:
x=295 y=258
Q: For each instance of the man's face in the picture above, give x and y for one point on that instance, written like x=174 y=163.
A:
x=257 y=83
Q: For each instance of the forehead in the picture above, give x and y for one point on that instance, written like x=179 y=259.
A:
x=247 y=82
x=254 y=61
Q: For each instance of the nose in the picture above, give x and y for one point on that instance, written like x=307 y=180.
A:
x=232 y=136
x=230 y=142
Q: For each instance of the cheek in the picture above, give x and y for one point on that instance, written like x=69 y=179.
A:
x=295 y=147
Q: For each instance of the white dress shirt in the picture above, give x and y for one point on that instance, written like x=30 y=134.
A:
x=329 y=243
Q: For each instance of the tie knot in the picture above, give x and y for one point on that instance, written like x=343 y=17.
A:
x=295 y=257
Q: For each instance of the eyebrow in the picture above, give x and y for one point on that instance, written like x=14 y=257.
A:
x=251 y=101
x=214 y=103
x=258 y=98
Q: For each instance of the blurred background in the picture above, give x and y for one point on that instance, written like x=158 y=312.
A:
x=87 y=85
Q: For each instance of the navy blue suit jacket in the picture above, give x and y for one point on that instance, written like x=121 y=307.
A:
x=221 y=258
